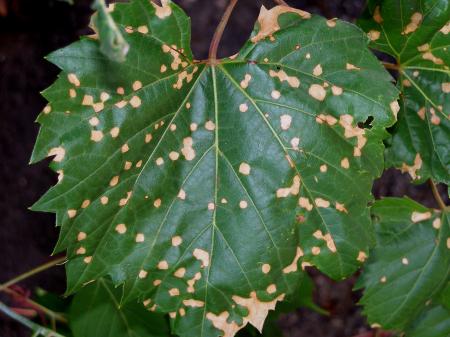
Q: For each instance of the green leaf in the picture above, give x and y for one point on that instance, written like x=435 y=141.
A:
x=182 y=180
x=112 y=43
x=410 y=264
x=95 y=312
x=416 y=33
x=434 y=322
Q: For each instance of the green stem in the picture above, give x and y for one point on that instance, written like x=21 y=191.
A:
x=219 y=32
x=436 y=195
x=32 y=272
x=37 y=329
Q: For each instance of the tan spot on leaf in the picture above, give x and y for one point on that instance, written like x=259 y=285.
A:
x=246 y=81
x=257 y=310
x=148 y=137
x=337 y=91
x=124 y=201
x=142 y=274
x=304 y=203
x=163 y=68
x=181 y=194
x=285 y=121
x=445 y=87
x=350 y=66
x=94 y=121
x=244 y=168
x=328 y=119
x=59 y=153
x=114 y=181
x=187 y=150
x=323 y=168
x=331 y=23
x=295 y=142
x=121 y=104
x=176 y=241
x=271 y=289
x=202 y=256
x=87 y=259
x=405 y=261
x=142 y=29
x=327 y=238
x=373 y=35
x=293 y=81
x=137 y=85
x=88 y=100
x=124 y=148
x=127 y=165
x=104 y=200
x=315 y=250
x=96 y=135
x=73 y=79
x=430 y=57
x=163 y=265
x=72 y=213
x=317 y=70
x=412 y=170
x=346 y=121
x=81 y=251
x=294 y=189
x=174 y=292
x=164 y=10
x=341 y=207
x=265 y=268
x=383 y=279
x=173 y=127
x=211 y=206
x=362 y=256
x=275 y=94
x=157 y=203
x=421 y=113
x=224 y=201
x=395 y=107
x=317 y=92
x=159 y=161
x=268 y=20
x=184 y=75
x=293 y=266
x=156 y=282
x=140 y=237
x=47 y=109
x=180 y=272
x=322 y=203
x=437 y=223
x=243 y=107
x=345 y=163
x=135 y=102
x=419 y=216
x=220 y=322
x=193 y=303
x=416 y=20
x=446 y=29
x=81 y=236
x=243 y=204
x=210 y=126
x=121 y=228
x=85 y=203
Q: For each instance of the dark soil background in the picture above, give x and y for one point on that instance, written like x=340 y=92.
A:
x=30 y=29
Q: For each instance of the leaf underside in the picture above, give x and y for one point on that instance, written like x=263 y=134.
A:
x=416 y=33
x=405 y=276
x=202 y=188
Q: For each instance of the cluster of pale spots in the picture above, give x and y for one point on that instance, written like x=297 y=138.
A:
x=416 y=33
x=182 y=180
x=409 y=266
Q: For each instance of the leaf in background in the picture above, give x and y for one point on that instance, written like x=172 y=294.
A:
x=180 y=179
x=112 y=43
x=95 y=312
x=409 y=266
x=434 y=322
x=416 y=33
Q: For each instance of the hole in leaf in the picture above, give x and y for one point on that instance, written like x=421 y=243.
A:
x=367 y=124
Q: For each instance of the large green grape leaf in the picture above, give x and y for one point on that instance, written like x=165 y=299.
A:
x=409 y=266
x=95 y=312
x=416 y=33
x=202 y=187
